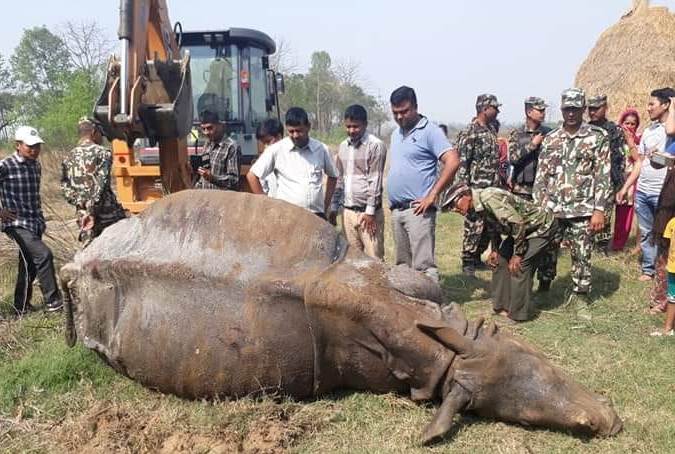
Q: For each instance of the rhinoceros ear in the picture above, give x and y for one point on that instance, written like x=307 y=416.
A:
x=446 y=336
x=453 y=403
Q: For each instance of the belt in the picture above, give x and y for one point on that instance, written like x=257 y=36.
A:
x=361 y=209
x=402 y=205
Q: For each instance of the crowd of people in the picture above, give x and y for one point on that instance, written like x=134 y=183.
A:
x=577 y=185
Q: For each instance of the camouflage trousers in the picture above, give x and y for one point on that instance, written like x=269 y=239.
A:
x=476 y=241
x=548 y=262
x=577 y=231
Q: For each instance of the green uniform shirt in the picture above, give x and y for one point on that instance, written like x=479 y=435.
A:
x=573 y=172
x=507 y=214
x=479 y=155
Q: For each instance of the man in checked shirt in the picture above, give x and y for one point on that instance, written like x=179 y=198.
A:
x=220 y=157
x=360 y=162
x=23 y=221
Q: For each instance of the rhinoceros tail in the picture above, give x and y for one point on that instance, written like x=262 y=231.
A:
x=65 y=276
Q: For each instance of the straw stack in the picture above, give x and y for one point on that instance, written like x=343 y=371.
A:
x=632 y=58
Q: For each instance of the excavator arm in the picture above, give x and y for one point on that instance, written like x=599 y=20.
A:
x=147 y=94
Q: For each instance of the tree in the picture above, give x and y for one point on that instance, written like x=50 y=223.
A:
x=41 y=61
x=58 y=122
x=283 y=60
x=7 y=98
x=88 y=47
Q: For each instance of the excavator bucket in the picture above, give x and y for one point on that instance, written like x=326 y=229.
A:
x=160 y=102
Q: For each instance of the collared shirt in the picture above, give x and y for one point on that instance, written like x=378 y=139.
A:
x=508 y=214
x=361 y=168
x=20 y=193
x=298 y=172
x=523 y=158
x=573 y=172
x=224 y=160
x=653 y=139
x=414 y=161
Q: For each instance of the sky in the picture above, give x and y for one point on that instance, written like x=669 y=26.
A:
x=449 y=51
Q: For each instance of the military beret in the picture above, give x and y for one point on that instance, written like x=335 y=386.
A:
x=573 y=97
x=597 y=101
x=487 y=100
x=453 y=194
x=537 y=103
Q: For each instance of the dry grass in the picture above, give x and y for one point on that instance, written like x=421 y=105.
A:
x=630 y=59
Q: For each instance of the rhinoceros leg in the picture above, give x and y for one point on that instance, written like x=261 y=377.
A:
x=453 y=403
x=67 y=276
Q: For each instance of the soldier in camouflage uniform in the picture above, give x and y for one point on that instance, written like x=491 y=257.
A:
x=524 y=147
x=85 y=182
x=530 y=233
x=597 y=113
x=573 y=182
x=479 y=155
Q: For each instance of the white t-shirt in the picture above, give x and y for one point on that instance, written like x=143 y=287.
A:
x=653 y=139
x=298 y=172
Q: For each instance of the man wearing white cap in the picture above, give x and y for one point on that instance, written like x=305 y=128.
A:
x=22 y=220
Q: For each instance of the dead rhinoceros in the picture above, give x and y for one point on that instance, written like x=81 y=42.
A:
x=211 y=293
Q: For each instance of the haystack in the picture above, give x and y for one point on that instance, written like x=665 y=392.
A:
x=632 y=58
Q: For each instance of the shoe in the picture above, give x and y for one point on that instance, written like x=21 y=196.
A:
x=645 y=278
x=658 y=309
x=54 y=306
x=544 y=286
x=660 y=333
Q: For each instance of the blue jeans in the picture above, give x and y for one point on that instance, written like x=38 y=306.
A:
x=645 y=207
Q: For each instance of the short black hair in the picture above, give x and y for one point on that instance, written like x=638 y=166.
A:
x=208 y=116
x=403 y=94
x=270 y=127
x=356 y=112
x=297 y=116
x=664 y=94
x=444 y=128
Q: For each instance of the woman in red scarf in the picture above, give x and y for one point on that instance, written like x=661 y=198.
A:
x=629 y=121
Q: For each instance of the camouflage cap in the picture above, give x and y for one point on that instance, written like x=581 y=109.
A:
x=597 y=101
x=487 y=100
x=453 y=194
x=535 y=102
x=91 y=122
x=573 y=97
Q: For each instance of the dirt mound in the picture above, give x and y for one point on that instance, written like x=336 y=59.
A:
x=631 y=58
x=262 y=428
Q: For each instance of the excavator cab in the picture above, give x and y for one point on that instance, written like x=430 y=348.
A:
x=231 y=77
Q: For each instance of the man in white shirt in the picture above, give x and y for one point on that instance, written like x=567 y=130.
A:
x=649 y=177
x=298 y=163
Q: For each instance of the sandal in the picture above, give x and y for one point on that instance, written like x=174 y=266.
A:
x=660 y=333
x=658 y=309
x=645 y=278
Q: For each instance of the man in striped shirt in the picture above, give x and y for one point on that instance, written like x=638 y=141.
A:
x=23 y=221
x=360 y=162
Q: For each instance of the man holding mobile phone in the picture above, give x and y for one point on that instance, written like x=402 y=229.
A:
x=219 y=167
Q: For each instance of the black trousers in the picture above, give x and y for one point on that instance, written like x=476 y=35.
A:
x=35 y=260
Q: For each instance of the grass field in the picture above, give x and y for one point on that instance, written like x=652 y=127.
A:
x=56 y=399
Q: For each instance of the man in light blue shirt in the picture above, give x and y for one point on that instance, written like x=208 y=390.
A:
x=413 y=182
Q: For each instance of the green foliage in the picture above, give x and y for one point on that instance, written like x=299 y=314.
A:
x=326 y=91
x=58 y=122
x=40 y=62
